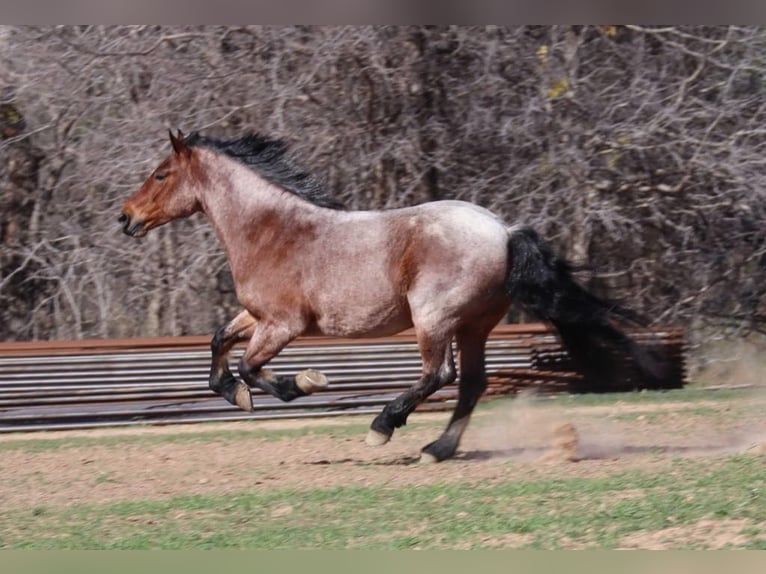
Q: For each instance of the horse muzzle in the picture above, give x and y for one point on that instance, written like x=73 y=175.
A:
x=134 y=228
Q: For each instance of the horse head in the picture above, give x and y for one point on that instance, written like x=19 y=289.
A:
x=167 y=194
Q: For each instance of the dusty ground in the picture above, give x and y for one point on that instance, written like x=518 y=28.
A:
x=583 y=441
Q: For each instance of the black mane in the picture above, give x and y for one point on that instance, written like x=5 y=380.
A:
x=269 y=158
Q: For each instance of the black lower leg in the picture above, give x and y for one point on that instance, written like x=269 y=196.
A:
x=220 y=374
x=221 y=380
x=446 y=445
x=283 y=387
x=225 y=384
x=234 y=391
x=395 y=413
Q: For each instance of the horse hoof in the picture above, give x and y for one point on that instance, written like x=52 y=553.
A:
x=242 y=397
x=427 y=458
x=438 y=451
x=310 y=381
x=375 y=438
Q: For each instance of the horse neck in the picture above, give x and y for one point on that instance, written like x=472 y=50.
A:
x=246 y=209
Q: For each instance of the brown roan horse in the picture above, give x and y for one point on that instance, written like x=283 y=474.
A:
x=303 y=265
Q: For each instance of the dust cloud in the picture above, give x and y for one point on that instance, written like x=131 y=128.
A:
x=523 y=431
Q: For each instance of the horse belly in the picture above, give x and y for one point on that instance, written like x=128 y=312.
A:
x=360 y=317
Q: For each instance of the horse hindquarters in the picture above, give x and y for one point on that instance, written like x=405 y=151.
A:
x=455 y=288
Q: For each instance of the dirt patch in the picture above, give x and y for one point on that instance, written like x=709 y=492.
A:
x=96 y=474
x=758 y=446
x=708 y=534
x=194 y=428
x=501 y=445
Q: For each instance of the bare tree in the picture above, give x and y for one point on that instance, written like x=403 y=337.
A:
x=636 y=149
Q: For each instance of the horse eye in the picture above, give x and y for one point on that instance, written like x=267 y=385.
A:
x=160 y=176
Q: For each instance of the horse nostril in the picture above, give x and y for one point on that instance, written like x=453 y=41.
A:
x=122 y=219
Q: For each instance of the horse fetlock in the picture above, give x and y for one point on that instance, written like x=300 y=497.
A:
x=310 y=381
x=221 y=379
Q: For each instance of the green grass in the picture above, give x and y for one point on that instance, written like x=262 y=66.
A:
x=547 y=513
x=715 y=405
x=709 y=412
x=651 y=397
x=552 y=510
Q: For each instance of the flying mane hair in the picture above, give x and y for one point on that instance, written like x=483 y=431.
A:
x=270 y=159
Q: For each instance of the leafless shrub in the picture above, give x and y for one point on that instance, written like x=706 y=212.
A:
x=639 y=150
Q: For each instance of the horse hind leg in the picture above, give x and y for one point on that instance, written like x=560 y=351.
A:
x=438 y=370
x=473 y=382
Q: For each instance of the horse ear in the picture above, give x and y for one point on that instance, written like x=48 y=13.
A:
x=178 y=143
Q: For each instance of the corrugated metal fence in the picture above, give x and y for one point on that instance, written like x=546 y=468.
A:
x=83 y=384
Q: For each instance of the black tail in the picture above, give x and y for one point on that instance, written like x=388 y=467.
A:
x=544 y=285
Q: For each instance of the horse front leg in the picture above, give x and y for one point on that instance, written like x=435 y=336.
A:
x=222 y=381
x=267 y=341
